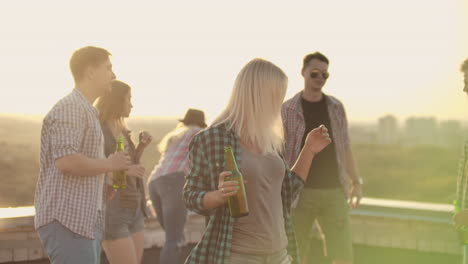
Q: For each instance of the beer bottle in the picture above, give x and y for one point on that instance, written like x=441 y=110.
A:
x=238 y=206
x=463 y=230
x=120 y=177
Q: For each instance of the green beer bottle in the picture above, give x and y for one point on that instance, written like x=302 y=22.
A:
x=462 y=231
x=120 y=177
x=238 y=206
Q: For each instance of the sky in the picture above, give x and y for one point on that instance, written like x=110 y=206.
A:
x=386 y=57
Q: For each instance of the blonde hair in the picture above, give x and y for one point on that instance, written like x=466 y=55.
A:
x=172 y=137
x=254 y=108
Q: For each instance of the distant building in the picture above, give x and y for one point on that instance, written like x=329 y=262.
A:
x=450 y=133
x=362 y=133
x=421 y=131
x=415 y=131
x=387 y=132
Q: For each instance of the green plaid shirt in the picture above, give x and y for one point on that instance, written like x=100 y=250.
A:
x=206 y=163
x=462 y=182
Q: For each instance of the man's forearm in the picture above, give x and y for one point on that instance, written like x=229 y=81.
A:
x=80 y=165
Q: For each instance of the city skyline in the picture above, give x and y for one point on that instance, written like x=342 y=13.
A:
x=180 y=56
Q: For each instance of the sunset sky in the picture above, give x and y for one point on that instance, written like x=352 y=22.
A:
x=399 y=56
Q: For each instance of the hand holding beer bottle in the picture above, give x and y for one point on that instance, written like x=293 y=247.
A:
x=119 y=161
x=231 y=186
x=120 y=177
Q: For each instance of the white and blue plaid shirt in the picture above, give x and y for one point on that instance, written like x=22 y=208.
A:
x=71 y=127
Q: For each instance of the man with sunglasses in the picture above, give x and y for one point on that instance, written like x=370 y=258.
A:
x=461 y=215
x=333 y=180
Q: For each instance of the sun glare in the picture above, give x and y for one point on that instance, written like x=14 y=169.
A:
x=13 y=212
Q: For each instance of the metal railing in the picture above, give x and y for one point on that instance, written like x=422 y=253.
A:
x=425 y=227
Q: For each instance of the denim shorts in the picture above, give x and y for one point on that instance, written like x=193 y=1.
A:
x=122 y=222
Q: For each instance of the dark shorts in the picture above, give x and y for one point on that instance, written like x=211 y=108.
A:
x=122 y=222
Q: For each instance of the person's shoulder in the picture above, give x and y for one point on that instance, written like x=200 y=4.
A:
x=194 y=129
x=215 y=129
x=288 y=102
x=334 y=100
x=292 y=101
x=66 y=106
x=213 y=133
x=192 y=132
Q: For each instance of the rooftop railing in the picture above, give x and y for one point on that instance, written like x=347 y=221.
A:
x=423 y=227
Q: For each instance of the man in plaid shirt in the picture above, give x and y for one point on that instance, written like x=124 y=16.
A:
x=69 y=194
x=461 y=218
x=333 y=178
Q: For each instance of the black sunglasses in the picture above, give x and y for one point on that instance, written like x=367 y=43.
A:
x=315 y=73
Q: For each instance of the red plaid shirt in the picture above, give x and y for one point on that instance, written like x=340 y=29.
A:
x=71 y=127
x=294 y=129
x=175 y=158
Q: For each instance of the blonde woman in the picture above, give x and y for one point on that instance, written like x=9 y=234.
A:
x=167 y=180
x=251 y=125
x=125 y=211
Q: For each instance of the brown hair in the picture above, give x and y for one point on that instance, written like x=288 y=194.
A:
x=84 y=57
x=316 y=55
x=110 y=105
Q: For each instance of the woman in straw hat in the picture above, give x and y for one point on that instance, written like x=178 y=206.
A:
x=167 y=180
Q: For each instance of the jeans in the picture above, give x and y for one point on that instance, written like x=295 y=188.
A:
x=330 y=208
x=280 y=257
x=64 y=246
x=166 y=195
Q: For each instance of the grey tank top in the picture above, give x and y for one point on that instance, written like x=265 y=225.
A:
x=262 y=231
